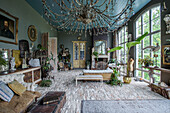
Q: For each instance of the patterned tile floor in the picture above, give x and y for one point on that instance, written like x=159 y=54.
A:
x=65 y=81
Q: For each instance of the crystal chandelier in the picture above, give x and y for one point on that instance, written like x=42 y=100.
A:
x=95 y=16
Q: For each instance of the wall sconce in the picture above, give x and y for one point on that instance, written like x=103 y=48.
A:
x=164 y=8
x=167 y=21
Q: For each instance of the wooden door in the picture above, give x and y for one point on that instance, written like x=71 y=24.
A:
x=44 y=40
x=82 y=60
x=79 y=54
x=52 y=47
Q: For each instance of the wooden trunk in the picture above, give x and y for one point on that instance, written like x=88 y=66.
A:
x=54 y=107
x=164 y=91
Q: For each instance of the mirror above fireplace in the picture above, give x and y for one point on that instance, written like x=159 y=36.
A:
x=100 y=46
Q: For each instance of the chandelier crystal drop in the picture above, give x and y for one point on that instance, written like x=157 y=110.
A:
x=93 y=16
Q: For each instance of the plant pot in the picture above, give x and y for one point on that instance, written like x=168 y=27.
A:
x=127 y=79
x=147 y=65
x=88 y=67
x=120 y=78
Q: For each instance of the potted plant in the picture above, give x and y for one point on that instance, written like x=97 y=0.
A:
x=146 y=61
x=46 y=68
x=114 y=78
x=129 y=45
x=95 y=53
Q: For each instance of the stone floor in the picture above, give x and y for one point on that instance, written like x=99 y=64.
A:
x=65 y=81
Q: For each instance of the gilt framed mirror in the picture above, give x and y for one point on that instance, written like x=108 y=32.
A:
x=166 y=54
x=100 y=46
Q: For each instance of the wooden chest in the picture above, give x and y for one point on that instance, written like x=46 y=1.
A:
x=54 y=107
x=164 y=91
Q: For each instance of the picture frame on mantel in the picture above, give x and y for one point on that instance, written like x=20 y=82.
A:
x=166 y=54
x=8 y=28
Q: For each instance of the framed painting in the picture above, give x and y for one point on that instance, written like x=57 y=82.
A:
x=8 y=28
x=166 y=54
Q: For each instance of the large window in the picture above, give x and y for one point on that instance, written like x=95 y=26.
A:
x=149 y=22
x=122 y=40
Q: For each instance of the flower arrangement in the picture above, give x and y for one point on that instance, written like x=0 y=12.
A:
x=146 y=61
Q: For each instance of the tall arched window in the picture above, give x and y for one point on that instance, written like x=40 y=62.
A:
x=149 y=21
x=122 y=40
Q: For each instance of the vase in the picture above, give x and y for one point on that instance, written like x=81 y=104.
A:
x=127 y=79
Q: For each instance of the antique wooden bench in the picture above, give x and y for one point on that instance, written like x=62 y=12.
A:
x=89 y=77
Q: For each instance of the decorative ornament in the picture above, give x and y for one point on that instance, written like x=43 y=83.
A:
x=32 y=33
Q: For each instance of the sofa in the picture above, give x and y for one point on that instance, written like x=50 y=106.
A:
x=18 y=103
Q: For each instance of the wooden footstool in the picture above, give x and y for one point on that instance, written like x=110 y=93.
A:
x=54 y=107
x=89 y=77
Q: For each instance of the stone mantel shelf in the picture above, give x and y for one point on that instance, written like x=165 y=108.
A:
x=100 y=56
x=157 y=68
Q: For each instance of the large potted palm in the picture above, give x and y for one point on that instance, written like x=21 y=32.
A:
x=129 y=45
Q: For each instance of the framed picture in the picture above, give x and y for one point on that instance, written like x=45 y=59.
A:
x=166 y=54
x=8 y=28
x=32 y=33
x=16 y=55
x=24 y=47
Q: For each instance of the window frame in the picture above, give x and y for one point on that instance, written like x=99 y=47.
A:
x=125 y=35
x=150 y=34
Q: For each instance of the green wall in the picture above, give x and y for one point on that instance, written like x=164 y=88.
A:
x=27 y=16
x=66 y=39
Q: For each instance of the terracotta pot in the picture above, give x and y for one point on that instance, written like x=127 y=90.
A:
x=127 y=79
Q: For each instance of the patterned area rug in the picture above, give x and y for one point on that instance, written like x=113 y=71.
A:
x=91 y=90
x=126 y=106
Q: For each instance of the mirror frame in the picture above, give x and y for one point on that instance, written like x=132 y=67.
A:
x=105 y=46
x=163 y=48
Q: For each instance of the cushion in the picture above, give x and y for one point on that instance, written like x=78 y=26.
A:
x=19 y=104
x=6 y=93
x=17 y=87
x=98 y=71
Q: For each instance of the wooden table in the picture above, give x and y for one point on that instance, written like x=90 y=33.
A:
x=151 y=71
x=89 y=77
x=54 y=107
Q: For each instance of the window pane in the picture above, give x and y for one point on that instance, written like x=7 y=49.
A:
x=126 y=36
x=146 y=17
x=138 y=23
x=146 y=28
x=157 y=39
x=146 y=42
x=155 y=12
x=123 y=36
x=146 y=76
x=120 y=37
x=138 y=53
x=138 y=32
x=138 y=73
x=157 y=78
x=155 y=24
